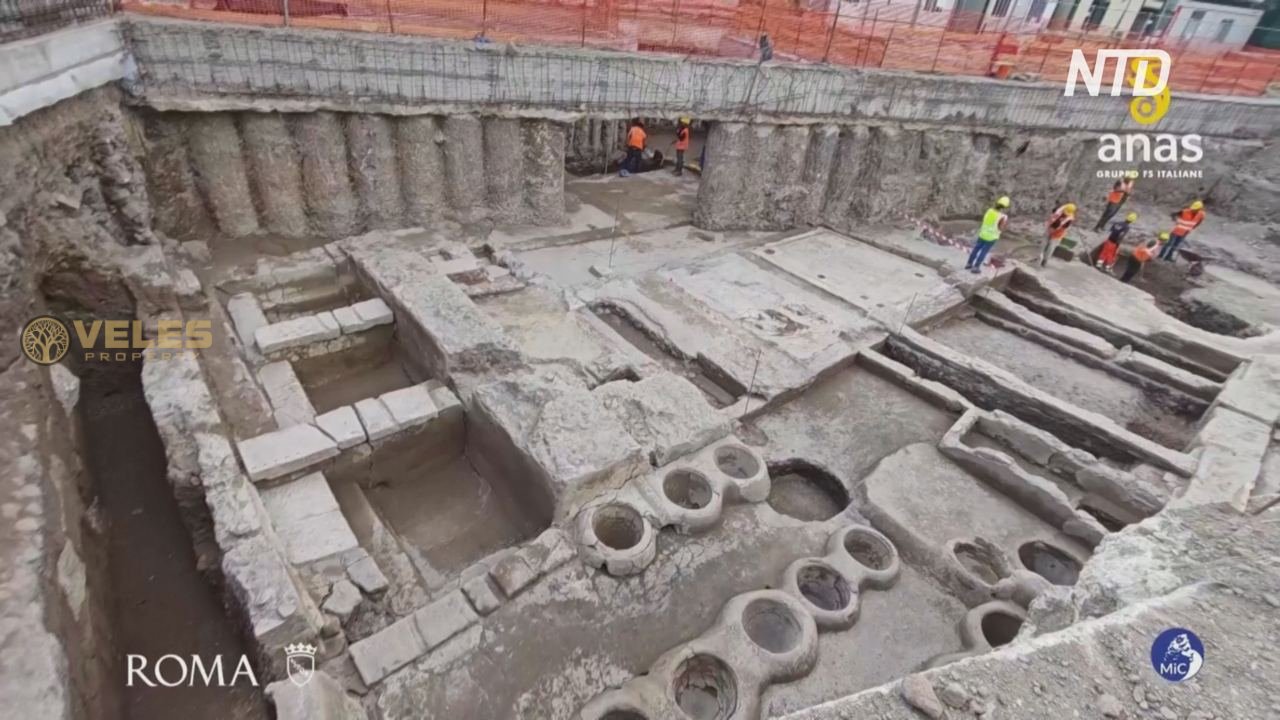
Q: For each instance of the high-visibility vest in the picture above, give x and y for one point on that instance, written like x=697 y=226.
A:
x=1059 y=223
x=1142 y=253
x=682 y=138
x=1120 y=191
x=635 y=137
x=1187 y=221
x=990 y=230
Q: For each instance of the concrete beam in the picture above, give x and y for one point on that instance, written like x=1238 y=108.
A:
x=40 y=71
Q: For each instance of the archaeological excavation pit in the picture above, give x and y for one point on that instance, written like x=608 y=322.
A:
x=467 y=412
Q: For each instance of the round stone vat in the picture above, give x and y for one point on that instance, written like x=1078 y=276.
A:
x=1049 y=562
x=824 y=587
x=737 y=462
x=689 y=489
x=705 y=689
x=772 y=625
x=619 y=527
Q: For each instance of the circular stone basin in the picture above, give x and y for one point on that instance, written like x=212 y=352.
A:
x=1000 y=628
x=869 y=550
x=805 y=492
x=1049 y=562
x=737 y=462
x=622 y=715
x=688 y=489
x=824 y=587
x=772 y=625
x=705 y=689
x=978 y=561
x=618 y=526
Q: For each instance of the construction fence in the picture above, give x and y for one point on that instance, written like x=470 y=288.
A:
x=887 y=34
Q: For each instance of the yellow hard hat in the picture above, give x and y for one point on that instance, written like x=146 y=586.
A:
x=1197 y=205
x=1131 y=217
x=685 y=120
x=1002 y=201
x=1164 y=236
x=1069 y=208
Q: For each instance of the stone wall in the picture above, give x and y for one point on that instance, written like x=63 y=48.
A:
x=66 y=194
x=774 y=177
x=339 y=174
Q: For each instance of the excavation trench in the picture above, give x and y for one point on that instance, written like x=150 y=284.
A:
x=718 y=387
x=161 y=601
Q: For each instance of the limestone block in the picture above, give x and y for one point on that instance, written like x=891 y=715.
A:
x=665 y=414
x=66 y=387
x=1234 y=446
x=320 y=698
x=343 y=426
x=409 y=407
x=330 y=323
x=293 y=333
x=446 y=402
x=513 y=574
x=366 y=575
x=387 y=650
x=376 y=418
x=444 y=618
x=363 y=316
x=246 y=314
x=343 y=599
x=189 y=290
x=566 y=432
x=287 y=396
x=479 y=590
x=258 y=578
x=437 y=320
x=308 y=519
x=1255 y=389
x=279 y=453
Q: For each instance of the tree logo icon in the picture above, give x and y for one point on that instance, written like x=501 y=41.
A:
x=45 y=340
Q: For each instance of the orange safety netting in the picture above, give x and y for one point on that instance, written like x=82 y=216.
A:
x=894 y=36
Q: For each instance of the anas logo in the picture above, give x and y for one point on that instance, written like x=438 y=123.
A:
x=45 y=340
x=1177 y=654
x=301 y=662
x=1147 y=74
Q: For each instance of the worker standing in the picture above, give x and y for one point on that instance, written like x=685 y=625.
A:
x=635 y=148
x=682 y=143
x=1120 y=192
x=1185 y=220
x=1140 y=256
x=993 y=222
x=1110 y=249
x=1059 y=222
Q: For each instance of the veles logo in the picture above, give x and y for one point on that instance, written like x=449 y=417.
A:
x=46 y=339
x=1146 y=73
x=1177 y=654
x=1149 y=103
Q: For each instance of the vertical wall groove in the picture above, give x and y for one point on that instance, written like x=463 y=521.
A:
x=275 y=173
x=422 y=176
x=372 y=156
x=326 y=185
x=218 y=162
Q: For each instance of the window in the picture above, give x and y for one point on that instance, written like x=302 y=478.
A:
x=1224 y=30
x=1001 y=8
x=1037 y=9
x=1193 y=25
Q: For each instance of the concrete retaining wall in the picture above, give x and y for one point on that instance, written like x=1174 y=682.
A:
x=338 y=174
x=40 y=71
x=208 y=66
x=776 y=176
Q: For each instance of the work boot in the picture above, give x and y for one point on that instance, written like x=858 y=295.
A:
x=975 y=270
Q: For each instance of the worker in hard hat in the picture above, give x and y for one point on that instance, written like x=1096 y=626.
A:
x=1059 y=222
x=1110 y=250
x=635 y=147
x=1140 y=256
x=682 y=143
x=1184 y=221
x=1120 y=192
x=993 y=222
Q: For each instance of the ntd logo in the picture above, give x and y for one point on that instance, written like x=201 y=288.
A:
x=1147 y=74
